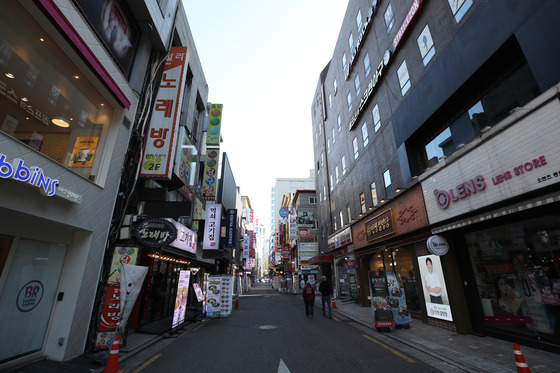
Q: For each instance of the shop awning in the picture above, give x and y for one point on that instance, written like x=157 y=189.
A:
x=321 y=259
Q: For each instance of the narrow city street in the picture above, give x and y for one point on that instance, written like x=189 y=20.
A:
x=270 y=333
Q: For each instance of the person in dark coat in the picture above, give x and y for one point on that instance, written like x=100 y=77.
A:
x=309 y=299
x=326 y=291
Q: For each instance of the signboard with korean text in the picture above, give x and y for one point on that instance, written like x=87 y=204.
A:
x=211 y=239
x=155 y=232
x=159 y=149
x=210 y=177
x=186 y=238
x=214 y=124
x=380 y=226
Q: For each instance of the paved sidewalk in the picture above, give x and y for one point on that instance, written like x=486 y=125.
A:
x=467 y=352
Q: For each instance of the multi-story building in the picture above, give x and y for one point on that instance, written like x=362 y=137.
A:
x=68 y=106
x=434 y=127
x=72 y=143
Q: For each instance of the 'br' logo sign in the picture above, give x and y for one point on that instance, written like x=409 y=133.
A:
x=30 y=296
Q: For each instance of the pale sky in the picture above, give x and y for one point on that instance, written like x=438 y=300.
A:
x=262 y=61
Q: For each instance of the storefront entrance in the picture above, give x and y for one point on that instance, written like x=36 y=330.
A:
x=401 y=261
x=30 y=277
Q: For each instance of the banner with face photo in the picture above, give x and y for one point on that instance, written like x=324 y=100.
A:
x=433 y=285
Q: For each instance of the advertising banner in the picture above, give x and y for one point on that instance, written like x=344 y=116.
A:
x=181 y=298
x=211 y=239
x=214 y=125
x=198 y=292
x=111 y=309
x=159 y=149
x=382 y=314
x=209 y=185
x=433 y=284
x=397 y=300
x=132 y=278
x=293 y=230
x=84 y=151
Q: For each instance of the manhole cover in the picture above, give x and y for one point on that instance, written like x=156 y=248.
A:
x=268 y=327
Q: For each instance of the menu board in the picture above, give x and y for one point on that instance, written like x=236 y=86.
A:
x=219 y=296
x=397 y=301
x=213 y=296
x=226 y=299
x=383 y=316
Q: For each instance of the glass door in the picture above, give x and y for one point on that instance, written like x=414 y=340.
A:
x=28 y=295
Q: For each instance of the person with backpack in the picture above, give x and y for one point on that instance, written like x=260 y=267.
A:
x=309 y=299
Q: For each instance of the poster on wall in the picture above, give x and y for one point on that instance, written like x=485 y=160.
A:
x=433 y=285
x=181 y=298
x=83 y=151
x=397 y=301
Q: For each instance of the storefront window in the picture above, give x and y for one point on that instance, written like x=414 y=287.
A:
x=517 y=271
x=46 y=101
x=399 y=260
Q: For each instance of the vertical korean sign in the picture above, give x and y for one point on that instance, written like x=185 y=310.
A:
x=164 y=124
x=212 y=227
x=214 y=125
x=210 y=175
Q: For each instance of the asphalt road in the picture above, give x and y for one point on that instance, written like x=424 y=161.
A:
x=270 y=333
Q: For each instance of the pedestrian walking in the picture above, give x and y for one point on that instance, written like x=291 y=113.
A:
x=309 y=299
x=326 y=291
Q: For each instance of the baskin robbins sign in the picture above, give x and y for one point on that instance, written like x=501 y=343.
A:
x=35 y=177
x=496 y=171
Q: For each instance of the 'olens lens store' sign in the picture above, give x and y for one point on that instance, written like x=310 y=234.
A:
x=495 y=171
x=370 y=89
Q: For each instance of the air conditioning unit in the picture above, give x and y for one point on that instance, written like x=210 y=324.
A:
x=127 y=220
x=124 y=233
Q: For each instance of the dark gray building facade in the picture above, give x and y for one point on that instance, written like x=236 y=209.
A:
x=450 y=102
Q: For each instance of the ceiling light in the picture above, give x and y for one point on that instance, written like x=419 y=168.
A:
x=61 y=122
x=10 y=75
x=24 y=99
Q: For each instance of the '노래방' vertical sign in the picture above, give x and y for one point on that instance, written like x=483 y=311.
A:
x=159 y=150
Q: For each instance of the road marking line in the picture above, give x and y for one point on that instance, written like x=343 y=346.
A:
x=336 y=318
x=389 y=348
x=282 y=367
x=198 y=327
x=141 y=367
